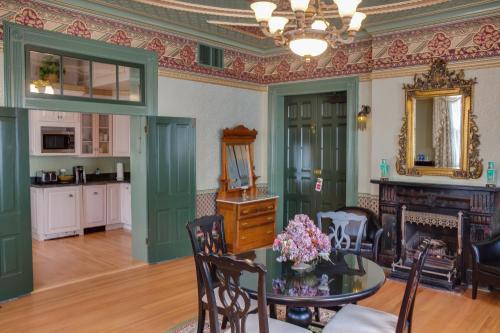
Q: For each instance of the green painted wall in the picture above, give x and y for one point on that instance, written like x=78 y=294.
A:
x=54 y=163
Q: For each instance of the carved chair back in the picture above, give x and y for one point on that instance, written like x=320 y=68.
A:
x=406 y=312
x=343 y=227
x=235 y=301
x=207 y=236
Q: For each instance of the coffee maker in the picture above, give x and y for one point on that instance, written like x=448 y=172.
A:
x=79 y=173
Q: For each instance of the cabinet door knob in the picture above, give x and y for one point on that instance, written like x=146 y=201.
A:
x=71 y=195
x=95 y=193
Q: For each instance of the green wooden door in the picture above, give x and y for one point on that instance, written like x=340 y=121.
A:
x=171 y=186
x=315 y=146
x=16 y=268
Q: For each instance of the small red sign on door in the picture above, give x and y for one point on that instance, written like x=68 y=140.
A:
x=319 y=185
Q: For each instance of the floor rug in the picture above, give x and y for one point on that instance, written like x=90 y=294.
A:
x=190 y=326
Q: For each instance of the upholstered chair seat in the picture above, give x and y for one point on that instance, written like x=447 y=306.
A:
x=253 y=303
x=355 y=318
x=275 y=326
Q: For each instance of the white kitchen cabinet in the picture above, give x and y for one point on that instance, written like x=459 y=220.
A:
x=94 y=206
x=126 y=205
x=96 y=134
x=114 y=211
x=55 y=211
x=121 y=136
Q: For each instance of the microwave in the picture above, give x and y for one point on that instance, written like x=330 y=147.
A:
x=58 y=140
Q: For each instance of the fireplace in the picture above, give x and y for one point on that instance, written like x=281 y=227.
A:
x=442 y=265
x=441 y=204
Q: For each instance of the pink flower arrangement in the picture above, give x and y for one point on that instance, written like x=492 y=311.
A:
x=302 y=241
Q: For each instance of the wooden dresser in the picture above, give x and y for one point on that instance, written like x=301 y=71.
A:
x=249 y=217
x=248 y=224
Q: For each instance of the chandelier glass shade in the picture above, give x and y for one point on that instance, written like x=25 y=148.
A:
x=306 y=31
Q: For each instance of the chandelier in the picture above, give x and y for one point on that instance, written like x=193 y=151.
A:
x=308 y=34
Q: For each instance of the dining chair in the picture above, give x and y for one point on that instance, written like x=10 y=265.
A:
x=207 y=236
x=485 y=263
x=343 y=228
x=355 y=318
x=236 y=302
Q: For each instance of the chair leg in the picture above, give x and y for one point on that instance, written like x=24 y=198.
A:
x=224 y=322
x=201 y=318
x=475 y=283
x=272 y=311
x=317 y=316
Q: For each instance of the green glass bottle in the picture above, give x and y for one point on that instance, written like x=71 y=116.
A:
x=384 y=170
x=491 y=175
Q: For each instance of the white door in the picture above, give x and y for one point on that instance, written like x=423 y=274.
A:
x=49 y=116
x=69 y=117
x=114 y=204
x=63 y=209
x=121 y=136
x=94 y=206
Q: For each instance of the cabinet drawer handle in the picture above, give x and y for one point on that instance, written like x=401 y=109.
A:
x=243 y=237
x=244 y=223
x=270 y=207
x=95 y=193
x=245 y=211
x=71 y=195
x=269 y=232
x=269 y=218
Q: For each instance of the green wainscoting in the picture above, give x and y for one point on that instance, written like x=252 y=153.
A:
x=276 y=111
x=17 y=37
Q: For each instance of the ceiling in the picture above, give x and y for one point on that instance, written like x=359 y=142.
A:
x=190 y=17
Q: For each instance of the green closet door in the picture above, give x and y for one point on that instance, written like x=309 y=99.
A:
x=16 y=268
x=171 y=186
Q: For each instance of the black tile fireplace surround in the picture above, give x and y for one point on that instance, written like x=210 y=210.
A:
x=481 y=218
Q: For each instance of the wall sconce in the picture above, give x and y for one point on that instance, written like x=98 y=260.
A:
x=363 y=117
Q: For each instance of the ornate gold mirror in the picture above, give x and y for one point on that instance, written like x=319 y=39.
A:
x=439 y=136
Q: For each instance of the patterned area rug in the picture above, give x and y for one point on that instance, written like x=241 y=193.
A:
x=189 y=326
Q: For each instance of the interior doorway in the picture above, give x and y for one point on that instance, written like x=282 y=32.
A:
x=315 y=151
x=80 y=191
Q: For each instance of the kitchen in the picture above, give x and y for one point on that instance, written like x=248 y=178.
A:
x=80 y=195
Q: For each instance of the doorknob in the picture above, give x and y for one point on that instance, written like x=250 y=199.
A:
x=317 y=172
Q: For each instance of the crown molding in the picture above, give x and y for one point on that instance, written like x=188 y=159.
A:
x=211 y=80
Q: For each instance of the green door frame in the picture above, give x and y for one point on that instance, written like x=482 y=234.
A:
x=17 y=36
x=276 y=116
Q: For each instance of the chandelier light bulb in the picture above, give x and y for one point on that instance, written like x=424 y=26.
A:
x=277 y=23
x=263 y=10
x=299 y=5
x=347 y=8
x=320 y=25
x=356 y=21
x=308 y=47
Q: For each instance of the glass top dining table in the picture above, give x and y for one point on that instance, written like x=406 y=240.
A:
x=345 y=278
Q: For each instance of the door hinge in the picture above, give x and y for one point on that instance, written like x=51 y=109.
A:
x=146 y=129
x=193 y=123
x=147 y=240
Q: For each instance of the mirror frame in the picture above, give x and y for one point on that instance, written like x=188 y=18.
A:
x=440 y=81
x=239 y=135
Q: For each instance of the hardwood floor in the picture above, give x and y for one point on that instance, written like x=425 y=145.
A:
x=154 y=298
x=65 y=260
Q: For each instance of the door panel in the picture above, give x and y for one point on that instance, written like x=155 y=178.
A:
x=315 y=130
x=16 y=275
x=171 y=186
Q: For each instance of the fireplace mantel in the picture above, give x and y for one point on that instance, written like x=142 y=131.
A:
x=480 y=206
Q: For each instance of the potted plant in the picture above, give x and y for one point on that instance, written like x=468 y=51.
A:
x=302 y=242
x=49 y=69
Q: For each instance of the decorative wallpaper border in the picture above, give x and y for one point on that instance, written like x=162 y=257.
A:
x=460 y=41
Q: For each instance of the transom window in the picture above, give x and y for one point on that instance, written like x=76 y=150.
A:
x=53 y=74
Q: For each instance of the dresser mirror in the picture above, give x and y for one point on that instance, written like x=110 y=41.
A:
x=439 y=136
x=238 y=173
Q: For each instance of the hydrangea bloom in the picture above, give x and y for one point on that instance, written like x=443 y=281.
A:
x=302 y=241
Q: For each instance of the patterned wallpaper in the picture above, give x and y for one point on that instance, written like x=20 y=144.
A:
x=473 y=39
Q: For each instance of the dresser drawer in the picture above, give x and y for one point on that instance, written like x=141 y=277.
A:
x=261 y=207
x=256 y=237
x=256 y=221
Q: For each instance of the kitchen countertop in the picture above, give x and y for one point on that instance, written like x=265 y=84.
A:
x=103 y=179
